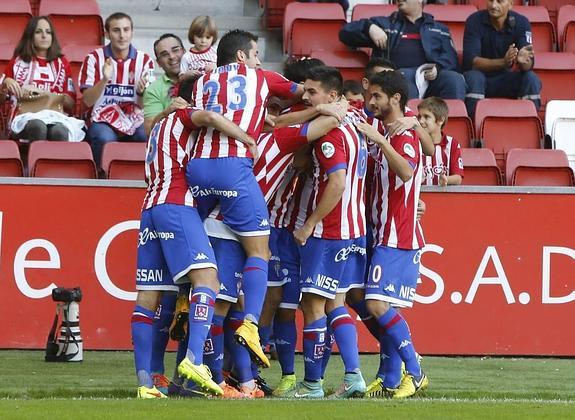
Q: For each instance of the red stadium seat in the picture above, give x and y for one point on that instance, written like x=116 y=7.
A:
x=274 y=10
x=454 y=16
x=351 y=64
x=459 y=125
x=75 y=22
x=14 y=16
x=505 y=124
x=553 y=7
x=566 y=28
x=480 y=167
x=312 y=27
x=556 y=73
x=124 y=160
x=364 y=11
x=539 y=168
x=542 y=29
x=10 y=162
x=59 y=159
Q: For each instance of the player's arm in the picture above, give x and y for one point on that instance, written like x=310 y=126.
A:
x=149 y=122
x=336 y=110
x=397 y=163
x=329 y=199
x=411 y=123
x=203 y=118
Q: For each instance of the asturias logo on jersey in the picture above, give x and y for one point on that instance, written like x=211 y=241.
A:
x=123 y=91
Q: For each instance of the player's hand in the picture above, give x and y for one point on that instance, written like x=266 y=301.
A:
x=335 y=109
x=370 y=132
x=302 y=234
x=378 y=36
x=430 y=74
x=400 y=125
x=175 y=104
x=189 y=74
x=510 y=55
x=108 y=69
x=525 y=55
x=443 y=180
x=270 y=120
x=13 y=87
x=421 y=207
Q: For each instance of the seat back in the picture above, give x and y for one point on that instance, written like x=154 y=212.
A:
x=69 y=7
x=538 y=168
x=563 y=137
x=55 y=159
x=351 y=64
x=66 y=26
x=274 y=13
x=543 y=31
x=13 y=25
x=553 y=7
x=309 y=35
x=556 y=73
x=365 y=11
x=480 y=167
x=10 y=162
x=566 y=28
x=124 y=160
x=454 y=17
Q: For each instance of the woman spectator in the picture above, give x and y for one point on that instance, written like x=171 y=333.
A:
x=39 y=80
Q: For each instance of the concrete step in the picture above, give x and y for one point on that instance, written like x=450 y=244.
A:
x=188 y=8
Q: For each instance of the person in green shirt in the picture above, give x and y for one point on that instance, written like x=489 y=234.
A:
x=158 y=98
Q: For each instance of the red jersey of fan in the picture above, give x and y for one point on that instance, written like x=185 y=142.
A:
x=238 y=93
x=445 y=160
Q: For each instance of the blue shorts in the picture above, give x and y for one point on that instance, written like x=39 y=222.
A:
x=231 y=260
x=172 y=241
x=288 y=252
x=393 y=276
x=231 y=183
x=276 y=277
x=330 y=266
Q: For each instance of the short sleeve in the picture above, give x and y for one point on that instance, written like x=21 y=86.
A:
x=185 y=116
x=290 y=139
x=87 y=78
x=68 y=88
x=455 y=160
x=407 y=145
x=330 y=152
x=279 y=85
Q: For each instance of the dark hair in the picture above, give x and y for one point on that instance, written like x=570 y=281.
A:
x=437 y=106
x=352 y=86
x=296 y=69
x=117 y=16
x=165 y=36
x=390 y=83
x=200 y=25
x=377 y=62
x=329 y=77
x=186 y=87
x=26 y=49
x=232 y=42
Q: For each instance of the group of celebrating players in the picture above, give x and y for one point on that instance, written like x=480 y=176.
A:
x=266 y=195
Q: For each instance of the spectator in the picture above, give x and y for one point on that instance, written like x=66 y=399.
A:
x=353 y=91
x=160 y=97
x=496 y=42
x=445 y=166
x=39 y=76
x=411 y=38
x=113 y=80
x=203 y=56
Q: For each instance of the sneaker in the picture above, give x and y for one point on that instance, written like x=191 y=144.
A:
x=287 y=384
x=177 y=390
x=353 y=386
x=247 y=336
x=409 y=386
x=161 y=382
x=307 y=390
x=145 y=393
x=256 y=392
x=376 y=389
x=230 y=392
x=263 y=385
x=179 y=327
x=230 y=379
x=201 y=375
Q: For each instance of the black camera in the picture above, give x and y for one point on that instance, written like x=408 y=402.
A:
x=62 y=294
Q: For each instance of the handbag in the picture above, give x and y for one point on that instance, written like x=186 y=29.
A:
x=36 y=102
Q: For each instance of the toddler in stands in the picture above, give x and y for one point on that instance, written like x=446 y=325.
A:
x=202 y=57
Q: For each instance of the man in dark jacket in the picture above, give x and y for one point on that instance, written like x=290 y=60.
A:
x=410 y=38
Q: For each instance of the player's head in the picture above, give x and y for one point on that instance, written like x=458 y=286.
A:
x=203 y=32
x=38 y=39
x=388 y=93
x=296 y=69
x=186 y=87
x=433 y=114
x=238 y=46
x=119 y=30
x=376 y=65
x=323 y=85
x=352 y=90
x=169 y=50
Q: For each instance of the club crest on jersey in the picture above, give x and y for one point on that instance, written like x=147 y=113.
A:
x=201 y=312
x=328 y=150
x=409 y=150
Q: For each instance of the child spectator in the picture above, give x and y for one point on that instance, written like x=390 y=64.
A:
x=202 y=57
x=445 y=166
x=353 y=92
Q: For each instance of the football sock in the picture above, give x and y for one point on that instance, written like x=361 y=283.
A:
x=142 y=331
x=327 y=348
x=314 y=338
x=254 y=285
x=214 y=349
x=162 y=321
x=265 y=334
x=396 y=327
x=343 y=327
x=286 y=339
x=240 y=357
x=390 y=363
x=201 y=313
x=180 y=355
x=369 y=321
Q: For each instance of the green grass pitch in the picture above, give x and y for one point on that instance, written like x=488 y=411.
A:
x=104 y=386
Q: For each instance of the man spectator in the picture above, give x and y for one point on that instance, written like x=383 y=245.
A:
x=410 y=38
x=496 y=42
x=113 y=80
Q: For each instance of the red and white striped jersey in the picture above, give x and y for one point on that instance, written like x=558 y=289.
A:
x=445 y=160
x=169 y=148
x=238 y=93
x=342 y=148
x=122 y=86
x=394 y=203
x=278 y=204
x=197 y=60
x=300 y=205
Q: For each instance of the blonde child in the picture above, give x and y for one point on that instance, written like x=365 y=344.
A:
x=202 y=57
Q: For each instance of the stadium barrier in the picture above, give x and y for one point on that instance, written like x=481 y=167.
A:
x=498 y=273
